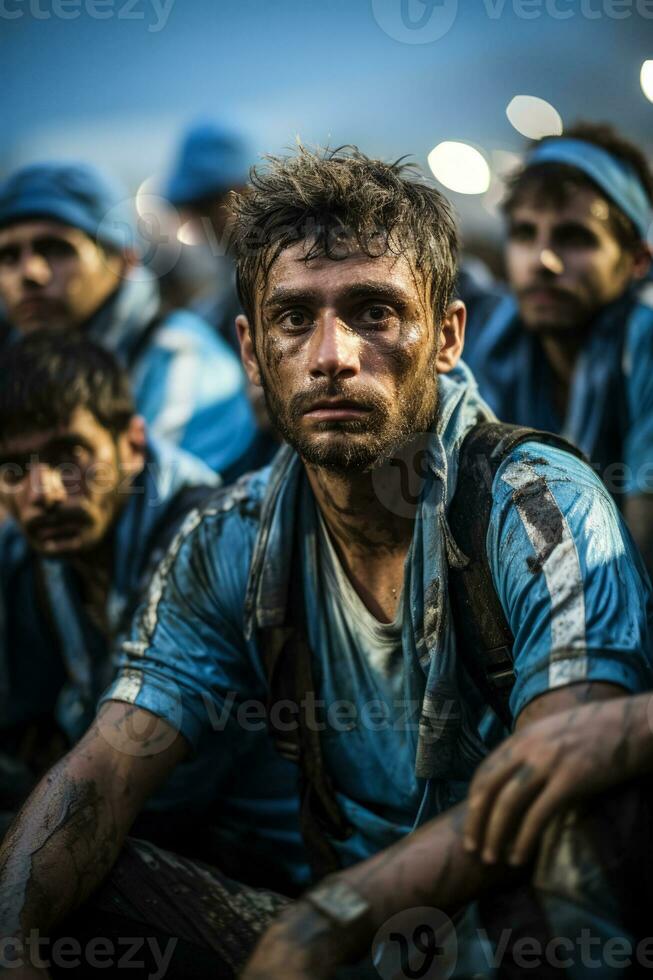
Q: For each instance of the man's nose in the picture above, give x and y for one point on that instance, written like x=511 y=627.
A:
x=34 y=268
x=334 y=349
x=46 y=486
x=550 y=260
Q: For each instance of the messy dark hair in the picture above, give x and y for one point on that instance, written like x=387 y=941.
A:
x=337 y=199
x=556 y=183
x=46 y=376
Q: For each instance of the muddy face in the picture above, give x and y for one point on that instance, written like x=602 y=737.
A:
x=347 y=354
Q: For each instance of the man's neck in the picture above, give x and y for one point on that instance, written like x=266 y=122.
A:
x=370 y=538
x=561 y=352
x=94 y=569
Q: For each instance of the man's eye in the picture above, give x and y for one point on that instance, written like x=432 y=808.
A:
x=8 y=256
x=11 y=474
x=576 y=238
x=376 y=314
x=294 y=320
x=521 y=233
x=72 y=456
x=55 y=248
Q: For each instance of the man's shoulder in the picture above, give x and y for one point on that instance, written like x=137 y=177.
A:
x=639 y=334
x=15 y=552
x=183 y=329
x=228 y=517
x=547 y=463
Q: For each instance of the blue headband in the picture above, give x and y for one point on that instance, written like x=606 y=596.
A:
x=617 y=180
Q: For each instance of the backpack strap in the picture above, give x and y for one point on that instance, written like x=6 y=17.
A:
x=288 y=661
x=483 y=636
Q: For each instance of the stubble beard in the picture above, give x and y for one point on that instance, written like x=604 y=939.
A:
x=363 y=444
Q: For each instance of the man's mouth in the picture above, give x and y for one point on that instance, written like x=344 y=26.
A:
x=546 y=295
x=35 y=306
x=336 y=410
x=50 y=530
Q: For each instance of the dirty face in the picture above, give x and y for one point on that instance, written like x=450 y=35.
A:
x=347 y=354
x=65 y=486
x=53 y=276
x=565 y=263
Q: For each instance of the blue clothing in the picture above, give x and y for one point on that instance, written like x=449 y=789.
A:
x=186 y=381
x=610 y=413
x=53 y=658
x=567 y=574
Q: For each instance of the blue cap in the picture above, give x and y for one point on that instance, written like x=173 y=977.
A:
x=211 y=160
x=74 y=194
x=616 y=178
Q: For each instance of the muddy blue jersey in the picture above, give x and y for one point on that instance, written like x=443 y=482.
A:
x=565 y=569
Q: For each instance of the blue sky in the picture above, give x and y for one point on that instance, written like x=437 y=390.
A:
x=118 y=90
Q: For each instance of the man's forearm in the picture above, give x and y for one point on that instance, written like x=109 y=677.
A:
x=69 y=832
x=427 y=868
x=58 y=849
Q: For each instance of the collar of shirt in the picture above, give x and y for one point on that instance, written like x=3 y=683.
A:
x=121 y=322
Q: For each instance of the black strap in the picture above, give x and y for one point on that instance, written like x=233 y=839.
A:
x=294 y=725
x=484 y=640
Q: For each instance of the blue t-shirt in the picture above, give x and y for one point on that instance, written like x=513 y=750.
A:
x=610 y=411
x=565 y=569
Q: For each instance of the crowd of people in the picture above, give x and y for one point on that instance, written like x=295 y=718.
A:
x=324 y=596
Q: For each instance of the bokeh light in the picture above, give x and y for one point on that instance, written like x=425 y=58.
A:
x=646 y=79
x=460 y=167
x=533 y=117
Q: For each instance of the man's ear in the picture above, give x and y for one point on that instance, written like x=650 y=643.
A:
x=452 y=337
x=642 y=260
x=132 y=446
x=248 y=351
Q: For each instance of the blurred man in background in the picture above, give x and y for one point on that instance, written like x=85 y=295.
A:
x=211 y=161
x=94 y=503
x=571 y=350
x=67 y=262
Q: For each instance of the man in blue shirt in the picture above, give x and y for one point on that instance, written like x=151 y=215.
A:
x=303 y=616
x=68 y=261
x=570 y=350
x=94 y=503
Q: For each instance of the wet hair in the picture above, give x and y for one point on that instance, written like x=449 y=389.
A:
x=46 y=376
x=556 y=183
x=336 y=199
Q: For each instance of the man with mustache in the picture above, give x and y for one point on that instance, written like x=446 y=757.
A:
x=94 y=502
x=68 y=261
x=300 y=632
x=571 y=350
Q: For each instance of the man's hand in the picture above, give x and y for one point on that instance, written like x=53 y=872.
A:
x=298 y=946
x=549 y=765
